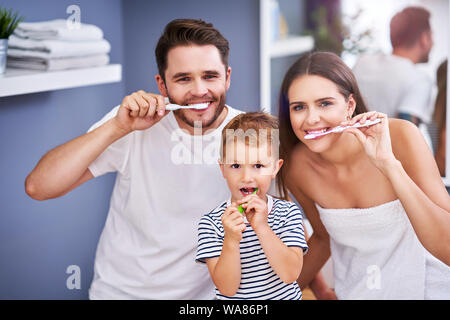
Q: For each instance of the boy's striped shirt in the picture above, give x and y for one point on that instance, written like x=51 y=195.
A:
x=258 y=279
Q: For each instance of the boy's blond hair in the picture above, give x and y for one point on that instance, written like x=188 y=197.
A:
x=258 y=127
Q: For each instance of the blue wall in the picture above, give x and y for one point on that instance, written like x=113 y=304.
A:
x=39 y=240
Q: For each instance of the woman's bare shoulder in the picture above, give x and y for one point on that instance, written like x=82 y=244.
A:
x=301 y=164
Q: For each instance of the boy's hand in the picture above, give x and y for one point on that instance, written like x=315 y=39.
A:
x=233 y=223
x=255 y=210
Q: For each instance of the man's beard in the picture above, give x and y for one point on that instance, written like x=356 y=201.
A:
x=181 y=114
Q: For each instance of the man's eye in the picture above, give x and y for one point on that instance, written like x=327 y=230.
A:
x=210 y=77
x=183 y=79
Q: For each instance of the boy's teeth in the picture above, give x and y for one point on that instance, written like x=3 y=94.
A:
x=247 y=190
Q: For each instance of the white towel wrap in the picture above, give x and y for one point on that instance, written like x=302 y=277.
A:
x=377 y=255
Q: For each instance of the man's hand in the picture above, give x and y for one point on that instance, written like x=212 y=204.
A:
x=233 y=223
x=139 y=111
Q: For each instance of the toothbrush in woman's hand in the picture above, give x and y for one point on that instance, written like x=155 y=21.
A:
x=342 y=128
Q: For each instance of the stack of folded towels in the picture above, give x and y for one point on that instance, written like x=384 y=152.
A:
x=53 y=45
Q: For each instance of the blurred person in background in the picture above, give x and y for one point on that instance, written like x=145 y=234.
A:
x=392 y=83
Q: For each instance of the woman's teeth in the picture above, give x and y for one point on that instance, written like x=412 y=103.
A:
x=316 y=131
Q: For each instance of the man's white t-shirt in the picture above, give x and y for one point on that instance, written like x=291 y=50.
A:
x=166 y=181
x=392 y=84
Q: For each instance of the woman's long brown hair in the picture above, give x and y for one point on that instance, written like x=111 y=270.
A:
x=327 y=65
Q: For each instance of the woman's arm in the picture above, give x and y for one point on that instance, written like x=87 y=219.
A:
x=410 y=167
x=418 y=185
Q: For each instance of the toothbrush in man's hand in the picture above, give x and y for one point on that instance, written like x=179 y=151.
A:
x=173 y=106
x=342 y=128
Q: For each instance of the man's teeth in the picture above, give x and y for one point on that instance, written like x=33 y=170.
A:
x=204 y=102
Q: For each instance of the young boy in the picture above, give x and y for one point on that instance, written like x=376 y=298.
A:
x=261 y=259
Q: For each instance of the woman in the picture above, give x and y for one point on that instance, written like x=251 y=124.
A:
x=384 y=173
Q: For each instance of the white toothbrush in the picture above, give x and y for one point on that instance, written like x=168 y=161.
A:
x=342 y=128
x=173 y=106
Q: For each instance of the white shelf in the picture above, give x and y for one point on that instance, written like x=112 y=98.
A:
x=23 y=81
x=291 y=45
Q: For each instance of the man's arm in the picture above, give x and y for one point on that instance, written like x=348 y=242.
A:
x=66 y=167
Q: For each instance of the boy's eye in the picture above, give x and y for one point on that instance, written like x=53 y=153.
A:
x=235 y=166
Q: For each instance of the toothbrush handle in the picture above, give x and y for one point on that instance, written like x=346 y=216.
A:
x=366 y=124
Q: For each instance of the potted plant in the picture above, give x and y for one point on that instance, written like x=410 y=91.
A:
x=8 y=22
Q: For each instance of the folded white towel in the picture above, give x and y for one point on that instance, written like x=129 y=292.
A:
x=58 y=30
x=58 y=63
x=18 y=47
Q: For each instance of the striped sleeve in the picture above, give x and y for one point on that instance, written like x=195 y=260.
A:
x=293 y=234
x=210 y=240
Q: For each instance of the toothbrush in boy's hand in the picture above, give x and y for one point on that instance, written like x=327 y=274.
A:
x=173 y=106
x=241 y=210
x=342 y=128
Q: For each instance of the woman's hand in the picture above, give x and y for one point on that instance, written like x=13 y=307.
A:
x=375 y=140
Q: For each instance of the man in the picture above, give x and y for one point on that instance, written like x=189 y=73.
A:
x=393 y=84
x=147 y=247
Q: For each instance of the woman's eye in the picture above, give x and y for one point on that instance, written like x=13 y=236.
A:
x=235 y=166
x=325 y=103
x=297 y=108
x=258 y=166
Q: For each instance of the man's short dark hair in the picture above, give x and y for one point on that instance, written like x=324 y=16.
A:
x=408 y=25
x=182 y=32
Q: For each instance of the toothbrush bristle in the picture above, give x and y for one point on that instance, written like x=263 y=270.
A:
x=201 y=106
